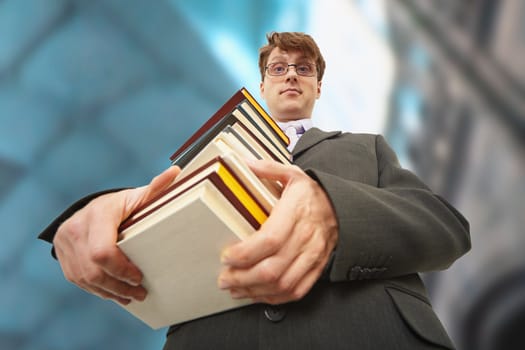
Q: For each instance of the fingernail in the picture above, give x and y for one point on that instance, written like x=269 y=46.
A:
x=250 y=161
x=138 y=293
x=223 y=284
x=140 y=296
x=237 y=294
x=133 y=282
x=123 y=301
x=225 y=259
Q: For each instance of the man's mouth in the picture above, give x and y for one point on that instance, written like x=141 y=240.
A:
x=290 y=90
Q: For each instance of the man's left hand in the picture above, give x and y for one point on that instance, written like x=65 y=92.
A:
x=282 y=260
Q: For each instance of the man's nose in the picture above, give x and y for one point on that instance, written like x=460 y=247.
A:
x=291 y=73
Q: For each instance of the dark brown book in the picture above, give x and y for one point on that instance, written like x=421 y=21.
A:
x=258 y=117
x=218 y=172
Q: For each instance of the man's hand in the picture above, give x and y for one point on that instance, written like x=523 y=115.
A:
x=282 y=261
x=85 y=244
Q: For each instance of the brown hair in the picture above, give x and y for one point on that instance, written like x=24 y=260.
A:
x=292 y=41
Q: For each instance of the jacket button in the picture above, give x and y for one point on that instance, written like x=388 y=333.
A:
x=275 y=313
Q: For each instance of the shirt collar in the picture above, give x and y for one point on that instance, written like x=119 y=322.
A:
x=306 y=123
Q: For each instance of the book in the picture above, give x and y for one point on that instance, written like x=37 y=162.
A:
x=263 y=150
x=224 y=176
x=278 y=151
x=178 y=248
x=176 y=238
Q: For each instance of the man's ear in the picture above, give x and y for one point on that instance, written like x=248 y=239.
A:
x=261 y=89
x=319 y=83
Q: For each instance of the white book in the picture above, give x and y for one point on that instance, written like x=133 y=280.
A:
x=178 y=251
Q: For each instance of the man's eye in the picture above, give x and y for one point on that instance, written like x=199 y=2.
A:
x=303 y=68
x=279 y=68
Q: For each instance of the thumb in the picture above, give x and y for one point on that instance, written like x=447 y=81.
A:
x=161 y=182
x=272 y=170
x=140 y=196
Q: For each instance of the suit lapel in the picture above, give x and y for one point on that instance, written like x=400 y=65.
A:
x=310 y=138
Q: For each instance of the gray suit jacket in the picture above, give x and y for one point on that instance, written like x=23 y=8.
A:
x=391 y=226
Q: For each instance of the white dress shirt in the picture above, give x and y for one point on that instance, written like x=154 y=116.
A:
x=295 y=129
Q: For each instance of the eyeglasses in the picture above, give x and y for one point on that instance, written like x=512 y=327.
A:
x=304 y=69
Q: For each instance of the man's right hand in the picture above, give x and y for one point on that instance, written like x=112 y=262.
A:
x=85 y=244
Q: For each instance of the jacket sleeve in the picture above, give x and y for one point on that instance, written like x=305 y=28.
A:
x=49 y=232
x=396 y=228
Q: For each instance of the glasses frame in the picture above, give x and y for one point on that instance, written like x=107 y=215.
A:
x=288 y=65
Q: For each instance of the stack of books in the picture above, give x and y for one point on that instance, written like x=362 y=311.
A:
x=177 y=237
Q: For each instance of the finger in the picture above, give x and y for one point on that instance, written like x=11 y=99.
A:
x=100 y=283
x=256 y=285
x=270 y=238
x=101 y=293
x=112 y=286
x=266 y=272
x=115 y=263
x=160 y=182
x=103 y=250
x=306 y=264
x=272 y=170
x=299 y=292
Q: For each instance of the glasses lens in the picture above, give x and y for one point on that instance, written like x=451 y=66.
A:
x=305 y=69
x=281 y=68
x=278 y=68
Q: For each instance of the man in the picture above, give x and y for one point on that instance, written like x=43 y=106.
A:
x=336 y=264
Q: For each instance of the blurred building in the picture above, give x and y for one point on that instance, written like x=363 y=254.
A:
x=457 y=118
x=82 y=81
x=94 y=95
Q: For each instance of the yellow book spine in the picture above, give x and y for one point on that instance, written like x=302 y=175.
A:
x=244 y=197
x=265 y=115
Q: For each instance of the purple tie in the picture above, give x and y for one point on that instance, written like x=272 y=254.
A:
x=294 y=132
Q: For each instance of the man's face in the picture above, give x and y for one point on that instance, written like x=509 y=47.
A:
x=290 y=96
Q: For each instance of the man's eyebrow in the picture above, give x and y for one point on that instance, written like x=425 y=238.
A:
x=278 y=59
x=281 y=58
